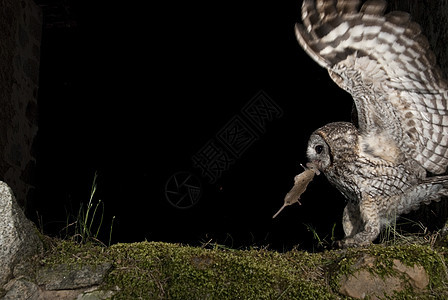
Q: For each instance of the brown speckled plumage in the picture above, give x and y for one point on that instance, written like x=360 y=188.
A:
x=385 y=63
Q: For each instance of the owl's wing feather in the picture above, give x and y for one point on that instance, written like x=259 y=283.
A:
x=385 y=63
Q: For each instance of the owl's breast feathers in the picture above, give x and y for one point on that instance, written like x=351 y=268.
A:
x=371 y=164
x=381 y=147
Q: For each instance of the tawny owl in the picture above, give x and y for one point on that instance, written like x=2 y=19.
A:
x=387 y=165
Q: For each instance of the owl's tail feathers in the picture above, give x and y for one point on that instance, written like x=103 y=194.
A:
x=428 y=190
x=438 y=185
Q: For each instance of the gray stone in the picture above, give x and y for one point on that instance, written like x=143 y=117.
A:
x=64 y=277
x=97 y=294
x=18 y=236
x=60 y=295
x=362 y=283
x=18 y=289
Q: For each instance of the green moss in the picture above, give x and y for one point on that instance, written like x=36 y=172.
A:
x=180 y=272
x=156 y=270
x=430 y=259
x=71 y=253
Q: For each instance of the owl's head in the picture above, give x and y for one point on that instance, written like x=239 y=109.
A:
x=318 y=152
x=334 y=142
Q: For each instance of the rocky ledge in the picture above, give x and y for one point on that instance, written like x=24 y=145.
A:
x=38 y=267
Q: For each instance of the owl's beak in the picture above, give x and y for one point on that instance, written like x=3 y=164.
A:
x=317 y=163
x=313 y=166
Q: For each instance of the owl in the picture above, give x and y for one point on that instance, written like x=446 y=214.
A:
x=392 y=160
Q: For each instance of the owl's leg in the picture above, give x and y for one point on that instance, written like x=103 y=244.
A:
x=367 y=224
x=351 y=220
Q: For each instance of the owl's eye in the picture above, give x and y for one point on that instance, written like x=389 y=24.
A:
x=319 y=149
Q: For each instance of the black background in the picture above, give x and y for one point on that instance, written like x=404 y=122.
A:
x=134 y=90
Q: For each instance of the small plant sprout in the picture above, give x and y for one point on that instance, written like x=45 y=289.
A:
x=87 y=218
x=88 y=223
x=301 y=182
x=110 y=231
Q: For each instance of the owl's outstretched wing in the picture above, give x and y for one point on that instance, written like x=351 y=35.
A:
x=385 y=63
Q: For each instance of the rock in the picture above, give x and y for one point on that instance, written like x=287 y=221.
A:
x=96 y=294
x=68 y=277
x=20 y=36
x=18 y=236
x=362 y=282
x=417 y=275
x=60 y=282
x=60 y=295
x=18 y=289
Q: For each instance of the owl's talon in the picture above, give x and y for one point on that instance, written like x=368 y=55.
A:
x=346 y=243
x=337 y=245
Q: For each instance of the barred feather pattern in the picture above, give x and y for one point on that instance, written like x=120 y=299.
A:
x=385 y=63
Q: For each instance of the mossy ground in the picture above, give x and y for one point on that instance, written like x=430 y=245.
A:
x=156 y=270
